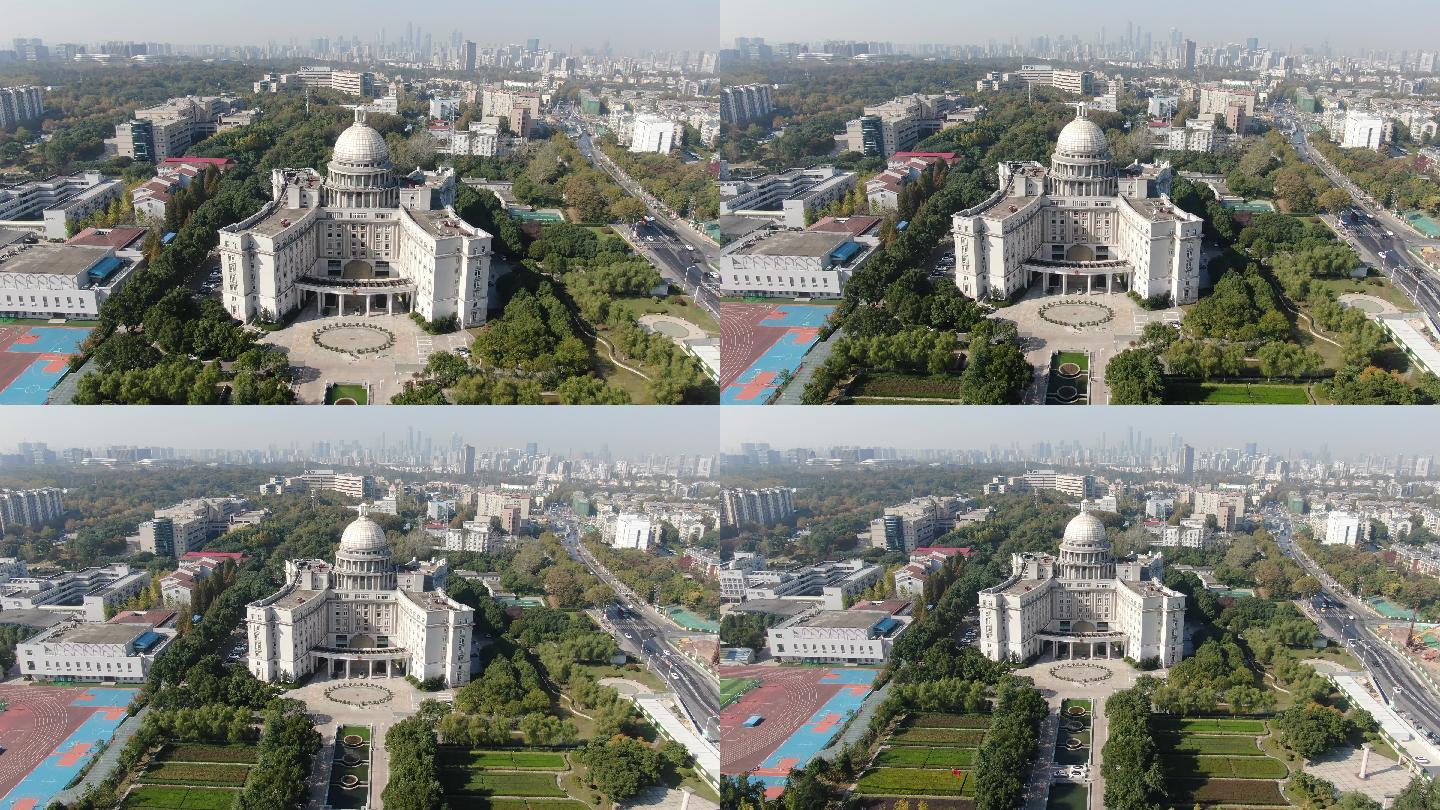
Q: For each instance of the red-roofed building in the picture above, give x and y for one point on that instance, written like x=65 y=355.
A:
x=221 y=163
x=159 y=617
x=235 y=556
x=178 y=587
x=924 y=561
x=903 y=168
x=895 y=607
x=151 y=197
x=118 y=238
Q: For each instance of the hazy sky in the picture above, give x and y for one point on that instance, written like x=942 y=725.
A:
x=1282 y=24
x=629 y=25
x=1346 y=431
x=628 y=430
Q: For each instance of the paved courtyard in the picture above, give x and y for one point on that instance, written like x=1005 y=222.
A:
x=404 y=701
x=1041 y=338
x=386 y=371
x=1056 y=688
x=1341 y=767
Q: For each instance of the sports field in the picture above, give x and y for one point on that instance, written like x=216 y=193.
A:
x=34 y=358
x=761 y=344
x=803 y=709
x=51 y=733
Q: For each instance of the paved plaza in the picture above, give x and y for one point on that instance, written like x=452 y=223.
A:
x=1341 y=767
x=1041 y=338
x=386 y=370
x=1066 y=682
x=329 y=714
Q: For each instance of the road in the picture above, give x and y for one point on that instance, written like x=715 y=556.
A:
x=648 y=637
x=682 y=256
x=1342 y=617
x=1379 y=236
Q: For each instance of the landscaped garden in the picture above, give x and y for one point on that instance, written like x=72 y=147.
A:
x=1072 y=742
x=1234 y=394
x=192 y=776
x=930 y=754
x=350 y=771
x=1216 y=760
x=462 y=783
x=346 y=394
x=1069 y=380
x=180 y=797
x=520 y=760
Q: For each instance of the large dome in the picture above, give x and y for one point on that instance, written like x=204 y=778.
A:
x=1085 y=531
x=1082 y=138
x=361 y=144
x=363 y=534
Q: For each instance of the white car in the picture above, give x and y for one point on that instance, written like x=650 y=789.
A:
x=1421 y=761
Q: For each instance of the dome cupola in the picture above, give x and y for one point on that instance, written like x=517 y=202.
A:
x=1080 y=165
x=1085 y=549
x=359 y=173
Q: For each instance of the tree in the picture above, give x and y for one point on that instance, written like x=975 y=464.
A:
x=1135 y=377
x=621 y=766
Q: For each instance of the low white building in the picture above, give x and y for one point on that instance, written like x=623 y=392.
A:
x=187 y=525
x=836 y=637
x=653 y=133
x=76 y=651
x=475 y=536
x=1365 y=131
x=1191 y=533
x=811 y=264
x=59 y=281
x=49 y=206
x=83 y=594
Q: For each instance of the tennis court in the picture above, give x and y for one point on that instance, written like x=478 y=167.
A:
x=52 y=733
x=762 y=344
x=33 y=359
x=1422 y=223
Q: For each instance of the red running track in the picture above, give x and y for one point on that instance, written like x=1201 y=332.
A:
x=786 y=698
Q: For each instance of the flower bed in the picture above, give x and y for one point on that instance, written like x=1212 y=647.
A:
x=914 y=756
x=196 y=773
x=1104 y=313
x=963 y=737
x=937 y=720
x=1186 y=792
x=1233 y=745
x=386 y=334
x=384 y=695
x=915 y=782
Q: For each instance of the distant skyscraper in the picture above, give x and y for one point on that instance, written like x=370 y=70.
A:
x=1187 y=56
x=532 y=45
x=1187 y=461
x=468 y=55
x=468 y=462
x=532 y=449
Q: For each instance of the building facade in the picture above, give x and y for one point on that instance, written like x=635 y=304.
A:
x=358 y=241
x=92 y=652
x=1083 y=604
x=1079 y=226
x=49 y=206
x=360 y=617
x=30 y=507
x=19 y=104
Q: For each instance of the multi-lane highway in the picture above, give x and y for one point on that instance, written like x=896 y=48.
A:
x=682 y=256
x=1376 y=234
x=1342 y=617
x=648 y=637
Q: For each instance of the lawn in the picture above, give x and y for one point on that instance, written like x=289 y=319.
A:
x=1211 y=725
x=338 y=391
x=534 y=804
x=915 y=782
x=1234 y=394
x=1384 y=289
x=963 y=737
x=895 y=384
x=196 y=773
x=914 y=756
x=154 y=797
x=193 y=752
x=454 y=757
x=1080 y=359
x=1068 y=796
x=1226 y=766
x=459 y=780
x=732 y=688
x=929 y=720
x=679 y=306
x=346 y=731
x=1187 y=792
x=1228 y=744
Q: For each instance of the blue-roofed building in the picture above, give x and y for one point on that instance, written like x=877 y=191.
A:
x=93 y=652
x=43 y=280
x=860 y=635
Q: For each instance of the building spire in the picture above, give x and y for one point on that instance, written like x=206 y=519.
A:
x=359 y=114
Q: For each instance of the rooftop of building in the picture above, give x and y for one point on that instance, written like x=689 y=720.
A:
x=159 y=617
x=796 y=243
x=845 y=619
x=296 y=598
x=434 y=600
x=854 y=225
x=100 y=633
x=443 y=223
x=278 y=221
x=30 y=617
x=48 y=259
x=775 y=607
x=117 y=238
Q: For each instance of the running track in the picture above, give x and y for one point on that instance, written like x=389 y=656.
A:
x=803 y=710
x=50 y=733
x=761 y=342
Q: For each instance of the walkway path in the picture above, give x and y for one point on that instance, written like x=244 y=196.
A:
x=106 y=762
x=859 y=723
x=1099 y=733
x=1037 y=792
x=795 y=389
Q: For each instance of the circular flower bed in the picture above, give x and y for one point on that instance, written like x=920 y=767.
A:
x=354 y=339
x=349 y=780
x=1071 y=370
x=1073 y=744
x=1077 y=711
x=1080 y=673
x=350 y=760
x=1074 y=725
x=359 y=694
x=353 y=741
x=1076 y=313
x=1067 y=393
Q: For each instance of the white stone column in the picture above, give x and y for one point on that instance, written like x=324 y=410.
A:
x=367 y=304
x=389 y=303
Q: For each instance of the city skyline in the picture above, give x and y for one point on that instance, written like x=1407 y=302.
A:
x=626 y=25
x=627 y=432
x=971 y=23
x=1284 y=431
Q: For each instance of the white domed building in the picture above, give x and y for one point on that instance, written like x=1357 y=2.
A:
x=1082 y=603
x=361 y=240
x=1078 y=227
x=363 y=616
